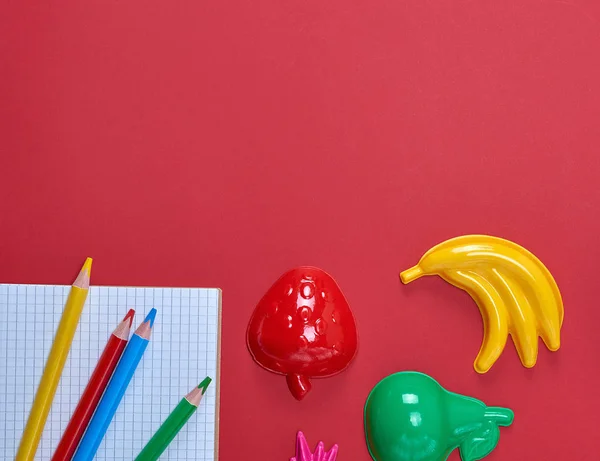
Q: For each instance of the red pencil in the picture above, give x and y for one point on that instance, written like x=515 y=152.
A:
x=94 y=390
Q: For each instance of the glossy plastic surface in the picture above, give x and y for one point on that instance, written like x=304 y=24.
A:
x=409 y=417
x=303 y=452
x=303 y=327
x=515 y=292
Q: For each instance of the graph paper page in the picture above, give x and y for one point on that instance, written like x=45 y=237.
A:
x=183 y=350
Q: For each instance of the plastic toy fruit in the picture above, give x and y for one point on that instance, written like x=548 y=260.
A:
x=516 y=294
x=303 y=327
x=410 y=417
x=303 y=452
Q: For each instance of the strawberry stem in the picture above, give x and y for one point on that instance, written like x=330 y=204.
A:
x=299 y=385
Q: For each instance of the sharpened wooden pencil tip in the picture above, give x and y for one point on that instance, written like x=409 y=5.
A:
x=150 y=317
x=83 y=279
x=194 y=397
x=87 y=265
x=204 y=384
x=124 y=327
x=129 y=316
x=145 y=329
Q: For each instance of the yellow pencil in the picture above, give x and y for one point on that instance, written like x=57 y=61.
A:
x=54 y=364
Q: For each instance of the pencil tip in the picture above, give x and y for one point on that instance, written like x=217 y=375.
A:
x=204 y=384
x=150 y=317
x=124 y=327
x=129 y=316
x=87 y=266
x=83 y=279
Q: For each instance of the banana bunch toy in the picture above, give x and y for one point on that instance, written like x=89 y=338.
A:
x=515 y=292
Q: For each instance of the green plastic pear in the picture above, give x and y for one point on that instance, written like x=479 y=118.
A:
x=410 y=417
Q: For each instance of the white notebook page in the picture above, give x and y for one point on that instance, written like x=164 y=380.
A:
x=183 y=350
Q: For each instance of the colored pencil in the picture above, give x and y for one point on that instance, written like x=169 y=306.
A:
x=55 y=364
x=173 y=424
x=115 y=390
x=93 y=391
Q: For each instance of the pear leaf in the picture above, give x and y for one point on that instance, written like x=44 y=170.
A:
x=480 y=443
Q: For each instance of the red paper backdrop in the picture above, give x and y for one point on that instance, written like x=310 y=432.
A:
x=220 y=143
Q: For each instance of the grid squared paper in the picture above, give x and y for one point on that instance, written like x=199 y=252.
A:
x=183 y=350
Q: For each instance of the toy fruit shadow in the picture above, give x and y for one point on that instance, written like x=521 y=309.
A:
x=303 y=328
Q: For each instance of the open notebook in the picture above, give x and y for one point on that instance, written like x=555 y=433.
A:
x=183 y=350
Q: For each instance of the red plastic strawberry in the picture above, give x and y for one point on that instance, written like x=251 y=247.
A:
x=303 y=327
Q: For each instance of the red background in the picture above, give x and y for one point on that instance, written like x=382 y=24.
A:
x=202 y=143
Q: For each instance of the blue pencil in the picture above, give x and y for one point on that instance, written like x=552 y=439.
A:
x=114 y=391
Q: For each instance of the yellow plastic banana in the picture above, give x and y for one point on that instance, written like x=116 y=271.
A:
x=522 y=323
x=515 y=292
x=493 y=312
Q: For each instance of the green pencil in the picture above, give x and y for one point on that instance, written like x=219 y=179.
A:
x=173 y=424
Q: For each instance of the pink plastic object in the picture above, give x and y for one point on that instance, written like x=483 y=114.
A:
x=303 y=452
